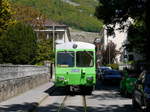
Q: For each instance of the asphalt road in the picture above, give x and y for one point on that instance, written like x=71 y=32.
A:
x=105 y=98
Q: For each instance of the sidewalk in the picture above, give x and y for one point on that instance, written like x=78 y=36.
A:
x=26 y=101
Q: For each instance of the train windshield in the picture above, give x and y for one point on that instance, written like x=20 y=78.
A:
x=65 y=59
x=84 y=59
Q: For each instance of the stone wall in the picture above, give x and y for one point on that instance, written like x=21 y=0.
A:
x=83 y=36
x=16 y=79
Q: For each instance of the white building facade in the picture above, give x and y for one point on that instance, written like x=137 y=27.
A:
x=120 y=38
x=58 y=32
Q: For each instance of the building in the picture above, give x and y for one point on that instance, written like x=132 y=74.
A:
x=99 y=46
x=58 y=32
x=120 y=38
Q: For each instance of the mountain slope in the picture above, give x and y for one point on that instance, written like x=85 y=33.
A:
x=75 y=13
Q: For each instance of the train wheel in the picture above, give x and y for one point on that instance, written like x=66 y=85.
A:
x=67 y=89
x=86 y=90
x=89 y=90
x=134 y=103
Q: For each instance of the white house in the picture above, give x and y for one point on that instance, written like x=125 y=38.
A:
x=120 y=38
x=58 y=32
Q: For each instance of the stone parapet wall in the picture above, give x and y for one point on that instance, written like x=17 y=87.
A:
x=18 y=71
x=16 y=79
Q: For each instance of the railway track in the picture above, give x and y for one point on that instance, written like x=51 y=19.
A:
x=84 y=103
x=63 y=105
x=36 y=105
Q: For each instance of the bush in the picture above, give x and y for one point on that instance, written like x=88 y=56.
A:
x=114 y=66
x=18 y=45
x=44 y=52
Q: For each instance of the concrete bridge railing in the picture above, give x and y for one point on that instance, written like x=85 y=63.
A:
x=16 y=79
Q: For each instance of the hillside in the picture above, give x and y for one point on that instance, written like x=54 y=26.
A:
x=83 y=36
x=75 y=13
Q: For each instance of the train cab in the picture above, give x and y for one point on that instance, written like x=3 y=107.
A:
x=75 y=65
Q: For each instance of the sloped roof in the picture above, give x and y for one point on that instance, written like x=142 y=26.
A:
x=52 y=23
x=46 y=23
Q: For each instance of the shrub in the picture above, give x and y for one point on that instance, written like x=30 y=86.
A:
x=44 y=52
x=18 y=45
x=114 y=66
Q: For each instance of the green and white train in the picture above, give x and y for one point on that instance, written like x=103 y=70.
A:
x=75 y=65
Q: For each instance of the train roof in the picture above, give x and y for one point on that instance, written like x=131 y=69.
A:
x=75 y=45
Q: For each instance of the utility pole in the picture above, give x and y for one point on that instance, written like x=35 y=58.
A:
x=53 y=37
x=126 y=59
x=108 y=45
x=109 y=52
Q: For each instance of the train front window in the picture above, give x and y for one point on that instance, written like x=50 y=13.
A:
x=65 y=59
x=84 y=59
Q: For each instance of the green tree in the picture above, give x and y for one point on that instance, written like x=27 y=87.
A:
x=109 y=53
x=5 y=15
x=29 y=15
x=18 y=45
x=80 y=17
x=118 y=11
x=44 y=51
x=136 y=38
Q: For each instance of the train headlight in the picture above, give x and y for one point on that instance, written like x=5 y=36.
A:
x=89 y=78
x=60 y=78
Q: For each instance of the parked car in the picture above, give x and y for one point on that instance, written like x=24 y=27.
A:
x=111 y=75
x=100 y=71
x=105 y=67
x=141 y=93
x=127 y=83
